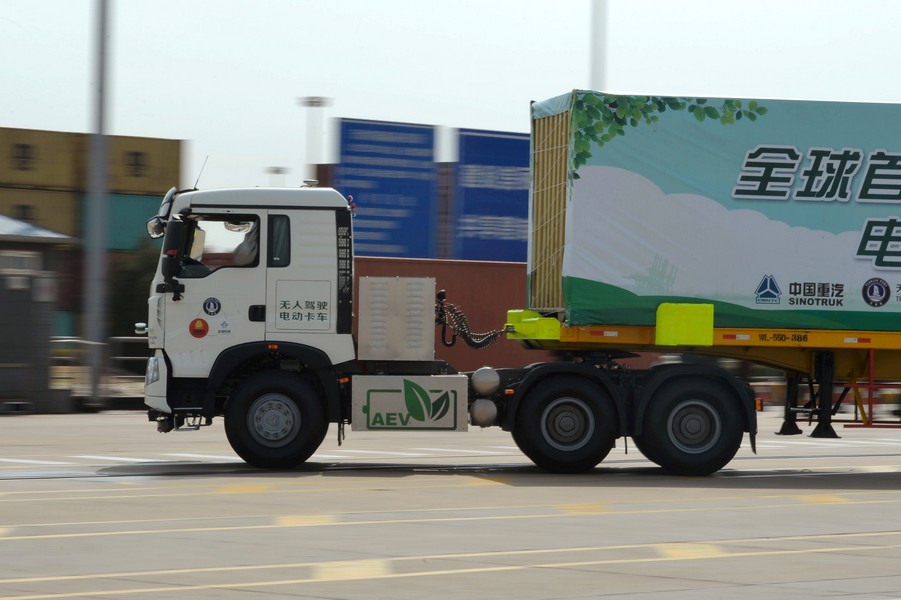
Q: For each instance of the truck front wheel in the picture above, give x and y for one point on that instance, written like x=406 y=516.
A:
x=691 y=427
x=566 y=425
x=275 y=420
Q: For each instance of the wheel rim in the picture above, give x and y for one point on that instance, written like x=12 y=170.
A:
x=694 y=427
x=567 y=424
x=273 y=420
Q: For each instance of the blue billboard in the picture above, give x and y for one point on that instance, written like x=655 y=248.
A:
x=491 y=196
x=389 y=169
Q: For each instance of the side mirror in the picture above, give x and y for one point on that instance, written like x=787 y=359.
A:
x=156 y=227
x=169 y=266
x=172 y=243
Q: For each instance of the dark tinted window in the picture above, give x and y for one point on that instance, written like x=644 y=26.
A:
x=279 y=241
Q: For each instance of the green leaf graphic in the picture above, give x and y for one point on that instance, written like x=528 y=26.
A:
x=439 y=408
x=599 y=119
x=417 y=401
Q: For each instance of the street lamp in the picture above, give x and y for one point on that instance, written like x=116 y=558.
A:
x=314 y=129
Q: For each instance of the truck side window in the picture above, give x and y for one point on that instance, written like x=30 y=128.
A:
x=247 y=252
x=215 y=243
x=279 y=241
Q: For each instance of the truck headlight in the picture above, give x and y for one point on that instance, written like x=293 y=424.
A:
x=153 y=371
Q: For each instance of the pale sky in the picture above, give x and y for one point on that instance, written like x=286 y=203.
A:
x=225 y=75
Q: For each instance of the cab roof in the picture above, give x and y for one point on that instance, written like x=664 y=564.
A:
x=258 y=197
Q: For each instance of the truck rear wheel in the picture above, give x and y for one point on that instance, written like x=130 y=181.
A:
x=275 y=420
x=691 y=427
x=566 y=425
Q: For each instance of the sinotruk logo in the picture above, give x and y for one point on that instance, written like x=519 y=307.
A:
x=768 y=291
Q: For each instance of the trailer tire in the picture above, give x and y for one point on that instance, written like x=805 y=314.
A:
x=275 y=420
x=566 y=425
x=691 y=427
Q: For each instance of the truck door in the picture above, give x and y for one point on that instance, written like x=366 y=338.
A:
x=309 y=281
x=223 y=302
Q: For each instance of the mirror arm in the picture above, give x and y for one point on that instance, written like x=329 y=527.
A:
x=172 y=285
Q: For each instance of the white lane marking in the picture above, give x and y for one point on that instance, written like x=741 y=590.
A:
x=458 y=450
x=205 y=456
x=33 y=461
x=382 y=452
x=804 y=443
x=850 y=442
x=126 y=459
x=841 y=442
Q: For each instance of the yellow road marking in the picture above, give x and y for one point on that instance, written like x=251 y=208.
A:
x=352 y=569
x=489 y=480
x=341 y=573
x=630 y=502
x=245 y=488
x=584 y=509
x=689 y=551
x=490 y=555
x=220 y=490
x=824 y=499
x=558 y=514
x=194 y=490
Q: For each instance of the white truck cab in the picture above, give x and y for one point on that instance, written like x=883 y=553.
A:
x=250 y=266
x=251 y=314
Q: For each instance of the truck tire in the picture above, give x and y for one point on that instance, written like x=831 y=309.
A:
x=566 y=425
x=275 y=420
x=691 y=427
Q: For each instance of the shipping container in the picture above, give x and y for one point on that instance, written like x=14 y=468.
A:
x=777 y=213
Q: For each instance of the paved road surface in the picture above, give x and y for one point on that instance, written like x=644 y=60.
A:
x=102 y=506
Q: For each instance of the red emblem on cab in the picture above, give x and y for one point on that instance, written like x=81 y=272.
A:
x=199 y=328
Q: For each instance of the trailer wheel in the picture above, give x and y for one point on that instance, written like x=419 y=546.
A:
x=275 y=420
x=691 y=427
x=566 y=425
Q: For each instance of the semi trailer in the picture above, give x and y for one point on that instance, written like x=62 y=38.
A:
x=760 y=230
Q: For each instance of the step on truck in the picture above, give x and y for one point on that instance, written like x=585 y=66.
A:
x=762 y=230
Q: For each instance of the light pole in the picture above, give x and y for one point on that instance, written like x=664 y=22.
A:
x=96 y=230
x=600 y=15
x=314 y=130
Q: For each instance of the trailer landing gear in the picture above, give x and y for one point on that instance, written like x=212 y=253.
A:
x=820 y=404
x=825 y=374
